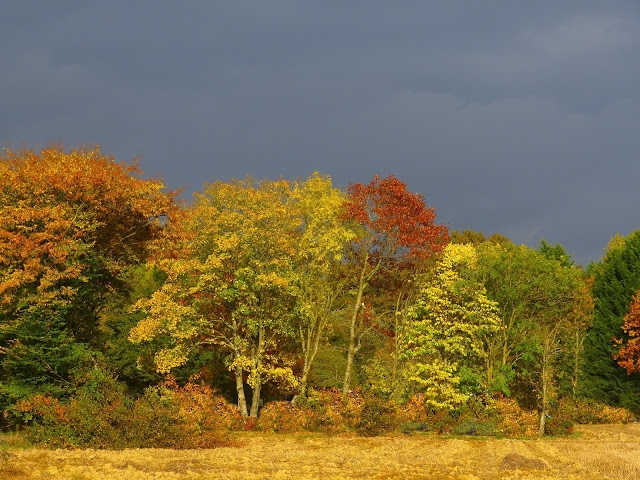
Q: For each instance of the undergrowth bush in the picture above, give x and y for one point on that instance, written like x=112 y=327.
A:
x=377 y=416
x=282 y=417
x=325 y=411
x=503 y=416
x=586 y=411
x=480 y=415
x=514 y=421
x=101 y=415
x=205 y=413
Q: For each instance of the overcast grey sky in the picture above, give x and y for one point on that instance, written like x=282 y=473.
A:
x=516 y=117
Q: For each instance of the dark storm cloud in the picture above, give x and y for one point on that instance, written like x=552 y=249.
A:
x=513 y=117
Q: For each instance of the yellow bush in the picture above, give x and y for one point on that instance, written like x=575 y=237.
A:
x=514 y=421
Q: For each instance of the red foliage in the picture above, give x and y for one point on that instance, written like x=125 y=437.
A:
x=629 y=355
x=43 y=406
x=396 y=222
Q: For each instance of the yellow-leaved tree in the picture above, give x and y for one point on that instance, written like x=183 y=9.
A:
x=446 y=327
x=324 y=237
x=236 y=288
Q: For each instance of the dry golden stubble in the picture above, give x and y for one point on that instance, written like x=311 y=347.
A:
x=596 y=452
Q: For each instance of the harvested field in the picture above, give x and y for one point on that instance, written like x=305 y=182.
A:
x=597 y=452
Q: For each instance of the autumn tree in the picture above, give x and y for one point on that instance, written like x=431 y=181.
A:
x=395 y=293
x=323 y=238
x=628 y=356
x=70 y=224
x=116 y=321
x=579 y=321
x=394 y=227
x=555 y=251
x=447 y=327
x=236 y=290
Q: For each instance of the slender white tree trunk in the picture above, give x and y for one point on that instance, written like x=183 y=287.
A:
x=242 y=401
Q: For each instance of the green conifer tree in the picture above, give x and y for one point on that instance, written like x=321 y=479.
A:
x=617 y=279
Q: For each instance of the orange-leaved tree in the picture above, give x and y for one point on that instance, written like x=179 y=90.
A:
x=628 y=356
x=70 y=223
x=395 y=228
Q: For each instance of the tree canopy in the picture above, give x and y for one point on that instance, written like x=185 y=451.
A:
x=273 y=289
x=70 y=224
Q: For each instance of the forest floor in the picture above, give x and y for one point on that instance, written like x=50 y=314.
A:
x=593 y=452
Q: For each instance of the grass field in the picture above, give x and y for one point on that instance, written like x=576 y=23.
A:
x=595 y=452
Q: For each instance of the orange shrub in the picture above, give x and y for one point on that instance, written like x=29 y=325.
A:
x=282 y=417
x=203 y=408
x=414 y=410
x=377 y=416
x=43 y=408
x=586 y=411
x=515 y=421
x=324 y=410
x=102 y=416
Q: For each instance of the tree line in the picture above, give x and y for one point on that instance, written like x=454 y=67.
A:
x=266 y=289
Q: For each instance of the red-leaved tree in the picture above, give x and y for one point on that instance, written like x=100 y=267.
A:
x=628 y=356
x=395 y=228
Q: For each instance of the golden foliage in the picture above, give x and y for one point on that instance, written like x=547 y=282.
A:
x=57 y=208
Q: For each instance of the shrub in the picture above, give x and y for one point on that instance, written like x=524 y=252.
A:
x=91 y=418
x=102 y=416
x=557 y=424
x=325 y=411
x=413 y=426
x=208 y=416
x=586 y=411
x=478 y=416
x=377 y=417
x=514 y=420
x=414 y=411
x=155 y=422
x=282 y=417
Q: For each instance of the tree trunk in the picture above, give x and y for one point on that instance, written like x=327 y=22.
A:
x=257 y=382
x=242 y=401
x=546 y=379
x=255 y=399
x=489 y=370
x=544 y=395
x=396 y=348
x=400 y=321
x=351 y=352
x=308 y=361
x=576 y=364
x=310 y=347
